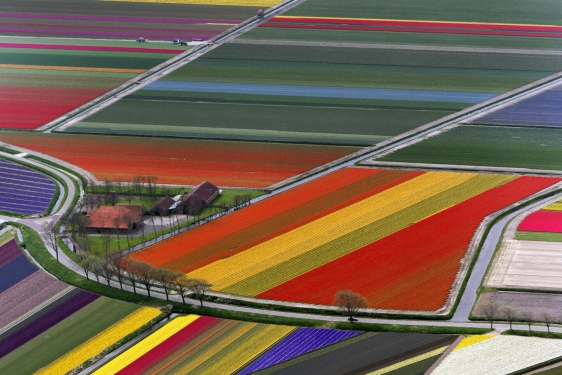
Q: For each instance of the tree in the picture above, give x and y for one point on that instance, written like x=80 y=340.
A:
x=510 y=314
x=151 y=185
x=137 y=184
x=106 y=270
x=547 y=318
x=86 y=262
x=181 y=286
x=238 y=200
x=108 y=186
x=144 y=273
x=166 y=278
x=527 y=317
x=119 y=267
x=199 y=287
x=349 y=303
x=51 y=239
x=85 y=244
x=491 y=311
x=129 y=266
x=96 y=267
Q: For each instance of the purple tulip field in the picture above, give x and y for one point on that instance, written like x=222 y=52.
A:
x=23 y=190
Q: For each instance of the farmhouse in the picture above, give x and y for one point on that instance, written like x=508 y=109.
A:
x=122 y=217
x=201 y=196
x=162 y=207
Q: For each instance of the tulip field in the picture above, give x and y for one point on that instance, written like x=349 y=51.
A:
x=301 y=75
x=161 y=20
x=186 y=162
x=42 y=80
x=499 y=355
x=398 y=231
x=542 y=225
x=204 y=345
x=42 y=319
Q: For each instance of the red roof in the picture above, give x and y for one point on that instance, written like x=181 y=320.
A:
x=115 y=217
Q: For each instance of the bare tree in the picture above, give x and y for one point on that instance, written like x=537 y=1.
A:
x=96 y=267
x=548 y=320
x=129 y=221
x=137 y=185
x=181 y=286
x=166 y=278
x=151 y=185
x=106 y=243
x=510 y=314
x=349 y=303
x=491 y=311
x=108 y=186
x=106 y=270
x=527 y=317
x=85 y=244
x=145 y=275
x=119 y=186
x=51 y=239
x=119 y=268
x=129 y=265
x=85 y=261
x=199 y=287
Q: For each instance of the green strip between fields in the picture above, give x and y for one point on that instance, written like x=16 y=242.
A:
x=167 y=130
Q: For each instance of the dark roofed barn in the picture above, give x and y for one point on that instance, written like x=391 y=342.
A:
x=201 y=196
x=162 y=207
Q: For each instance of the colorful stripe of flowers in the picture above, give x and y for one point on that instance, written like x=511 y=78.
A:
x=89 y=48
x=248 y=3
x=542 y=221
x=418 y=26
x=471 y=340
x=300 y=342
x=43 y=321
x=415 y=266
x=346 y=223
x=145 y=346
x=101 y=341
x=71 y=68
x=410 y=361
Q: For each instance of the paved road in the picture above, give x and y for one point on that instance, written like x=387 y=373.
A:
x=486 y=254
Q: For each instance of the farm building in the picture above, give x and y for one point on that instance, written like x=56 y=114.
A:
x=162 y=207
x=201 y=196
x=122 y=217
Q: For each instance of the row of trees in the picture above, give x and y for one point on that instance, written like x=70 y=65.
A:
x=493 y=312
x=139 y=184
x=136 y=273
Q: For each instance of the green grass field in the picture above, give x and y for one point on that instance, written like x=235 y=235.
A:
x=538 y=236
x=65 y=336
x=488 y=146
x=519 y=11
x=292 y=123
